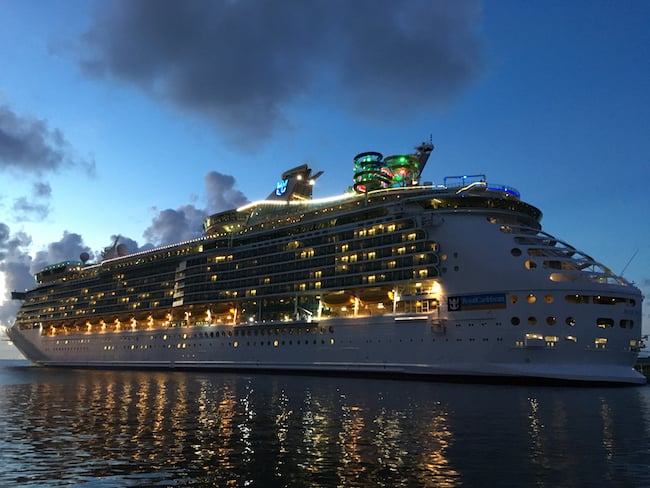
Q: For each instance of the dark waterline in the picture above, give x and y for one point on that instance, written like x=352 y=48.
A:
x=127 y=428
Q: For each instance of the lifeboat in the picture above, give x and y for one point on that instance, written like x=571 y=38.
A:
x=373 y=295
x=220 y=307
x=338 y=298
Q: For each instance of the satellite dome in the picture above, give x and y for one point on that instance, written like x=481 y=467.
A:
x=84 y=256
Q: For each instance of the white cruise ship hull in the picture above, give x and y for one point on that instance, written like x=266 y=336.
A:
x=417 y=346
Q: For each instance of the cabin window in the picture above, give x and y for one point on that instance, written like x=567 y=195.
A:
x=604 y=323
x=626 y=323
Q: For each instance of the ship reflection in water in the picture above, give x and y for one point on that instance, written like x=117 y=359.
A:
x=121 y=428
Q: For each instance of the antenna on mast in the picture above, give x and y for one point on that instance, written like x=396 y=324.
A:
x=628 y=263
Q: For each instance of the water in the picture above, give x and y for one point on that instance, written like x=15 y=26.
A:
x=124 y=428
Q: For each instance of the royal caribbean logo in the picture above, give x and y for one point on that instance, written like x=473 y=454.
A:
x=281 y=187
x=476 y=302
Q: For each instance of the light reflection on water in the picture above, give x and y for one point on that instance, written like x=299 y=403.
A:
x=123 y=428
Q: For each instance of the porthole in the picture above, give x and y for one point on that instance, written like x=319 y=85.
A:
x=514 y=320
x=532 y=321
x=570 y=321
x=551 y=320
x=515 y=251
x=530 y=264
x=514 y=298
x=531 y=298
x=548 y=298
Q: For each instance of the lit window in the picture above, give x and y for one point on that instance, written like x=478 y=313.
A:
x=600 y=343
x=530 y=264
x=604 y=323
x=531 y=298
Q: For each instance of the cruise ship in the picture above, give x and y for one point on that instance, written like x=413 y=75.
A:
x=394 y=277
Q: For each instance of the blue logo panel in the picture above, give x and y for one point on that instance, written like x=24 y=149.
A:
x=476 y=302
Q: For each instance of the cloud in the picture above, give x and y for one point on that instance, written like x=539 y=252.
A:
x=171 y=226
x=221 y=194
x=35 y=208
x=186 y=222
x=68 y=248
x=28 y=145
x=15 y=265
x=241 y=64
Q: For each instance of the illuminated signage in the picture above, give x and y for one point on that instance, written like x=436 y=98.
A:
x=475 y=302
x=281 y=187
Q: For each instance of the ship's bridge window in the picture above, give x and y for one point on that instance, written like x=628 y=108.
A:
x=577 y=298
x=605 y=300
x=604 y=323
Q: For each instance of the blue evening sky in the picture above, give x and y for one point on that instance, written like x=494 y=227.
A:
x=138 y=118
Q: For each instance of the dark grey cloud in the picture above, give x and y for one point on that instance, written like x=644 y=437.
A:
x=28 y=145
x=240 y=64
x=171 y=226
x=25 y=209
x=15 y=263
x=36 y=207
x=68 y=248
x=186 y=222
x=221 y=194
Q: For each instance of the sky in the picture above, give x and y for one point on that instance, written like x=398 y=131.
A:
x=139 y=118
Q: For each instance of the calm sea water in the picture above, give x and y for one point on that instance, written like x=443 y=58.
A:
x=124 y=428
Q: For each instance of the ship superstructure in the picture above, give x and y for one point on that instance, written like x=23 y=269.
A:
x=395 y=276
